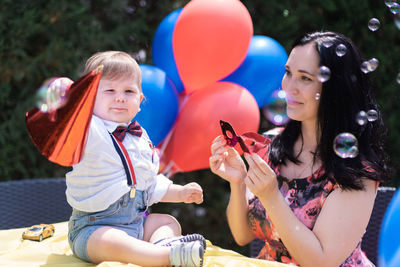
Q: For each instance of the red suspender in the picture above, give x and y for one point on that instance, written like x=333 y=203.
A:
x=126 y=162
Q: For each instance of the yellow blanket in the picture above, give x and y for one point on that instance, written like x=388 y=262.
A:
x=55 y=252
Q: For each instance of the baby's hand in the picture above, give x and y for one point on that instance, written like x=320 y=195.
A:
x=56 y=93
x=192 y=192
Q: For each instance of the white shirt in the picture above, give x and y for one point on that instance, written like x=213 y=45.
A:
x=99 y=179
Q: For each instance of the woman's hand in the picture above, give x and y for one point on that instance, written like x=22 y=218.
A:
x=226 y=162
x=261 y=179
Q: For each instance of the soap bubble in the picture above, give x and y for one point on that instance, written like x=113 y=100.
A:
x=341 y=50
x=370 y=65
x=362 y=117
x=327 y=43
x=41 y=95
x=345 y=145
x=285 y=13
x=52 y=94
x=389 y=3
x=373 y=63
x=374 y=24
x=395 y=8
x=200 y=212
x=275 y=111
x=365 y=67
x=324 y=74
x=372 y=115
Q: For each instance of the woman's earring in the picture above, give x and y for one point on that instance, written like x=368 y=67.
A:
x=317 y=96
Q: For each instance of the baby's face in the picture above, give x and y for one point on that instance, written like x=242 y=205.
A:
x=118 y=100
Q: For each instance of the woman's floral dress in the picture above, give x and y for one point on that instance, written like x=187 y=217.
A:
x=306 y=199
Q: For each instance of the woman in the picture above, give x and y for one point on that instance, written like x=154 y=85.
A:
x=310 y=205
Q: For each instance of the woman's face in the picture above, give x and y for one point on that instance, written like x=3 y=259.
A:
x=301 y=84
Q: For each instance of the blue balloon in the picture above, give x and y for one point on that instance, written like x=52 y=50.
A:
x=162 y=53
x=160 y=105
x=262 y=70
x=389 y=237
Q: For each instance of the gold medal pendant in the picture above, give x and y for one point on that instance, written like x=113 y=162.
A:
x=133 y=192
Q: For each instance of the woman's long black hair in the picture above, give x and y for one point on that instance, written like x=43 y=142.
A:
x=343 y=96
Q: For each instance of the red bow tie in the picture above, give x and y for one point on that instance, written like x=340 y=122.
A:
x=133 y=128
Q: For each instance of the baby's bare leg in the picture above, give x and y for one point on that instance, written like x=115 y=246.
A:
x=110 y=244
x=160 y=226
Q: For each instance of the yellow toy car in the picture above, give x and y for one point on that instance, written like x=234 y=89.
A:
x=38 y=232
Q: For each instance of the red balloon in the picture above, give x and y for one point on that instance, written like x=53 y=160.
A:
x=210 y=40
x=197 y=124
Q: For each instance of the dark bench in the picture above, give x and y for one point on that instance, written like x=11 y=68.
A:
x=27 y=202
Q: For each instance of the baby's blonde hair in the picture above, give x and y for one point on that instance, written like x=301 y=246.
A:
x=116 y=64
